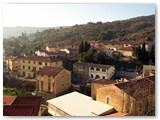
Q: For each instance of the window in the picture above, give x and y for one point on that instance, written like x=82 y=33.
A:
x=28 y=61
x=46 y=63
x=103 y=70
x=103 y=77
x=49 y=84
x=40 y=63
x=91 y=75
x=23 y=66
x=39 y=68
x=42 y=85
x=107 y=99
x=34 y=62
x=34 y=69
x=28 y=67
x=92 y=68
x=97 y=69
x=23 y=61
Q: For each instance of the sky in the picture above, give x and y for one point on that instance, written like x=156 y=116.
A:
x=54 y=15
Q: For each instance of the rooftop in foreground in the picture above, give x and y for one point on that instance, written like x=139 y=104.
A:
x=77 y=104
x=21 y=106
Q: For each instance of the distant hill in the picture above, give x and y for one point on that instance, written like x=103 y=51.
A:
x=17 y=31
x=139 y=28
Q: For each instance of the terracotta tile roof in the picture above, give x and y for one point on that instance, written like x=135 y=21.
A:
x=140 y=42
x=126 y=49
x=40 y=58
x=51 y=71
x=17 y=58
x=131 y=86
x=151 y=78
x=15 y=110
x=8 y=100
x=58 y=52
x=81 y=64
x=23 y=106
x=104 y=81
x=100 y=66
x=92 y=65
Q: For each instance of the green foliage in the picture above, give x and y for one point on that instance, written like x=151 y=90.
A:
x=17 y=87
x=84 y=47
x=152 y=55
x=15 y=92
x=94 y=56
x=81 y=47
x=140 y=28
x=145 y=57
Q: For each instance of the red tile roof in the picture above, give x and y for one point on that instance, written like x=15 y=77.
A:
x=140 y=42
x=17 y=58
x=8 y=100
x=15 y=110
x=50 y=71
x=101 y=66
x=104 y=81
x=131 y=86
x=126 y=49
x=23 y=106
x=92 y=65
x=40 y=58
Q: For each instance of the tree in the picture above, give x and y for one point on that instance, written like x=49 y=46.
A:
x=145 y=55
x=81 y=48
x=86 y=46
x=142 y=54
x=152 y=55
x=88 y=56
x=100 y=57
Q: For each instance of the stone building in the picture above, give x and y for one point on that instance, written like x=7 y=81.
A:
x=31 y=64
x=53 y=80
x=126 y=51
x=90 y=71
x=135 y=97
x=99 y=71
x=99 y=83
x=81 y=70
x=148 y=70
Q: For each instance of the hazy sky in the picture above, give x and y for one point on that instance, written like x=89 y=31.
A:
x=52 y=15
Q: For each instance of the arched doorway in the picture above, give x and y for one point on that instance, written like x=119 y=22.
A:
x=97 y=77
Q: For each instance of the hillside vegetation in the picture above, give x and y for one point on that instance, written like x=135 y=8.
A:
x=140 y=28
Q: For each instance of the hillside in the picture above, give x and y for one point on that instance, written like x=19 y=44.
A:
x=17 y=31
x=139 y=28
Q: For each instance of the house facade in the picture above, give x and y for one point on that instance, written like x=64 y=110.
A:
x=99 y=83
x=16 y=66
x=99 y=71
x=126 y=51
x=135 y=97
x=54 y=80
x=148 y=70
x=31 y=64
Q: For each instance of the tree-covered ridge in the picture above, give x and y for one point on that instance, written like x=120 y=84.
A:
x=140 y=28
